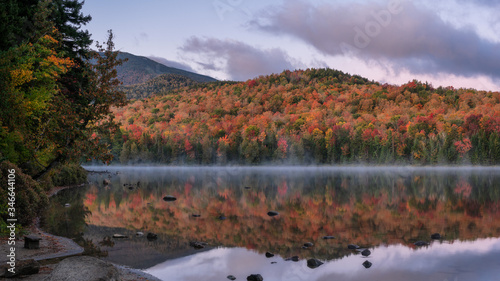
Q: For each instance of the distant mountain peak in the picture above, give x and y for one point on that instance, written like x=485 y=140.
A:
x=139 y=69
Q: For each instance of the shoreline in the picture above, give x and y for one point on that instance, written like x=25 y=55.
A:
x=53 y=249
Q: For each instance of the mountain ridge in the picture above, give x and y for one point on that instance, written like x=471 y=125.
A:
x=140 y=69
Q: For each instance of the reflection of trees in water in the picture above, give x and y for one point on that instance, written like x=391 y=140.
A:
x=66 y=216
x=366 y=208
x=67 y=221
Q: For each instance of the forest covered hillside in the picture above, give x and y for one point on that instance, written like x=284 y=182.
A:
x=314 y=116
x=137 y=70
x=161 y=84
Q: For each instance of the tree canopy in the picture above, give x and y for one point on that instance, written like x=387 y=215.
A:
x=56 y=91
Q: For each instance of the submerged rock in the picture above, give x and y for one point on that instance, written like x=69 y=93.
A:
x=366 y=252
x=328 y=237
x=255 y=277
x=231 y=277
x=436 y=236
x=169 y=198
x=294 y=258
x=313 y=263
x=421 y=243
x=197 y=245
x=272 y=213
x=269 y=255
x=367 y=264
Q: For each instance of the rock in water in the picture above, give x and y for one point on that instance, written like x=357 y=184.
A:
x=366 y=252
x=313 y=263
x=421 y=243
x=119 y=236
x=294 y=258
x=255 y=277
x=367 y=264
x=269 y=255
x=84 y=268
x=308 y=244
x=231 y=277
x=151 y=236
x=436 y=236
x=272 y=213
x=138 y=233
x=352 y=247
x=169 y=198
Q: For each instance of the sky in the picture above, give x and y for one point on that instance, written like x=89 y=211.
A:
x=446 y=43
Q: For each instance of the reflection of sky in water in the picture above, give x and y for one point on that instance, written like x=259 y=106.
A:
x=457 y=261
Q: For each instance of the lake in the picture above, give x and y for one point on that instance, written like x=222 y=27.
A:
x=219 y=223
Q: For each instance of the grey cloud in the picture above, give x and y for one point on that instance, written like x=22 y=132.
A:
x=170 y=63
x=409 y=37
x=241 y=61
x=488 y=3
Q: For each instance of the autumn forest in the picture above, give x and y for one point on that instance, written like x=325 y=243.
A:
x=313 y=116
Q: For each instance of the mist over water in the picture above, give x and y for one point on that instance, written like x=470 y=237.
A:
x=385 y=209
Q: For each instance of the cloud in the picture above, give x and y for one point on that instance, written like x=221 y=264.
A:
x=408 y=36
x=237 y=59
x=488 y=3
x=170 y=63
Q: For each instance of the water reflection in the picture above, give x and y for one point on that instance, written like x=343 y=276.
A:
x=377 y=208
x=447 y=261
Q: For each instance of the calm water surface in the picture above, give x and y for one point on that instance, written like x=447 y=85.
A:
x=383 y=209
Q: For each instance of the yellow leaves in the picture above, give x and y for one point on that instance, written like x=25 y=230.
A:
x=55 y=65
x=21 y=76
x=50 y=39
